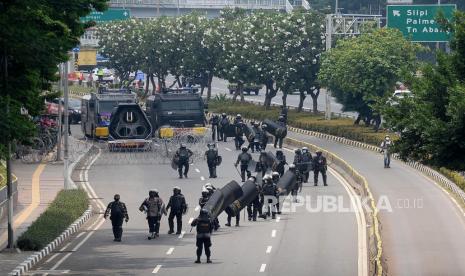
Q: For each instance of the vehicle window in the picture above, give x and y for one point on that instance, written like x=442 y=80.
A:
x=180 y=105
x=107 y=106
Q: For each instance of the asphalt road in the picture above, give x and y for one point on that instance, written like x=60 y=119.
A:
x=299 y=243
x=424 y=232
x=220 y=86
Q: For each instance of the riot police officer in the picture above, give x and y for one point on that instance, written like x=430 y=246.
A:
x=214 y=121
x=238 y=132
x=118 y=212
x=298 y=182
x=212 y=159
x=255 y=206
x=275 y=177
x=298 y=161
x=204 y=229
x=154 y=207
x=283 y=113
x=183 y=154
x=224 y=124
x=278 y=141
x=255 y=144
x=178 y=206
x=307 y=161
x=270 y=192
x=320 y=166
x=207 y=192
x=244 y=159
x=281 y=162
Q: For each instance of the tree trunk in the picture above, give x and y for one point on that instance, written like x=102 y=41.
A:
x=301 y=101
x=284 y=97
x=209 y=86
x=241 y=91
x=178 y=81
x=270 y=94
x=147 y=81
x=154 y=86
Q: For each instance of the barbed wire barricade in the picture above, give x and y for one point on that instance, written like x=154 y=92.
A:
x=157 y=151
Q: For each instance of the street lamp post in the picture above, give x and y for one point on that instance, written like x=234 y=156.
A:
x=66 y=128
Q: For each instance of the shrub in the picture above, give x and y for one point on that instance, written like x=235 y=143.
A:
x=454 y=177
x=342 y=127
x=68 y=206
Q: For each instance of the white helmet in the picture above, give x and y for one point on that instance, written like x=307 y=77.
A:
x=267 y=177
x=275 y=174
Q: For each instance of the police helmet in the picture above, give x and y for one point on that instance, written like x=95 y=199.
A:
x=238 y=116
x=253 y=178
x=153 y=192
x=223 y=114
x=319 y=152
x=387 y=137
x=256 y=124
x=304 y=149
x=297 y=151
x=182 y=146
x=245 y=149
x=292 y=167
x=267 y=177
x=281 y=117
x=279 y=152
x=203 y=213
x=116 y=197
x=176 y=189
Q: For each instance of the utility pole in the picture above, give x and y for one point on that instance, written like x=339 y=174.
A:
x=60 y=132
x=66 y=128
x=329 y=35
x=8 y=158
x=177 y=11
x=437 y=43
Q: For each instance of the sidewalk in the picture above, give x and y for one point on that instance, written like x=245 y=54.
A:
x=38 y=185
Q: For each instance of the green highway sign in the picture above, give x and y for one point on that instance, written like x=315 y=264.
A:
x=418 y=22
x=108 y=15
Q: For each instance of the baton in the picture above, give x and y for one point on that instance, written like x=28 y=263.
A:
x=238 y=171
x=191 y=229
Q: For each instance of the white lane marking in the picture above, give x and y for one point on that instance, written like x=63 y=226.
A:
x=170 y=251
x=197 y=208
x=262 y=268
x=52 y=258
x=78 y=246
x=361 y=224
x=228 y=149
x=191 y=220
x=268 y=249
x=278 y=219
x=182 y=234
x=197 y=170
x=273 y=233
x=156 y=269
x=79 y=235
x=202 y=178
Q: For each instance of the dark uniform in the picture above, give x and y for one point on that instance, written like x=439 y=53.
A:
x=154 y=207
x=307 y=160
x=270 y=190
x=224 y=123
x=214 y=122
x=281 y=162
x=279 y=141
x=204 y=229
x=244 y=159
x=255 y=206
x=212 y=160
x=284 y=113
x=299 y=161
x=118 y=212
x=238 y=128
x=177 y=206
x=320 y=166
x=206 y=194
x=183 y=154
x=255 y=145
x=298 y=182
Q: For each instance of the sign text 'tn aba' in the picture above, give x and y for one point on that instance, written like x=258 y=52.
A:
x=418 y=22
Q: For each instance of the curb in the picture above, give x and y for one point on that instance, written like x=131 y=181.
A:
x=33 y=259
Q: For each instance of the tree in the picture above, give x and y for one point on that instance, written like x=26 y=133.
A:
x=35 y=37
x=299 y=62
x=360 y=71
x=432 y=122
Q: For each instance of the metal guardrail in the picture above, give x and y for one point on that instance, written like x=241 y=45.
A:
x=204 y=4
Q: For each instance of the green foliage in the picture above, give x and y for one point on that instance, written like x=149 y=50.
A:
x=338 y=127
x=35 y=37
x=360 y=71
x=68 y=206
x=2 y=175
x=454 y=177
x=432 y=123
